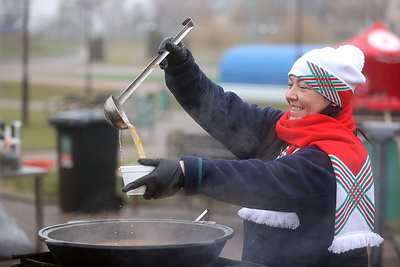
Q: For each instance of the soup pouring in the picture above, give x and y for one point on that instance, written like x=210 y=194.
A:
x=113 y=111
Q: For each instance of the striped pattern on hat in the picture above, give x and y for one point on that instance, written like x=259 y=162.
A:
x=334 y=73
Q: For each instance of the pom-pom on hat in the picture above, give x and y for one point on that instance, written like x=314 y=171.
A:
x=332 y=72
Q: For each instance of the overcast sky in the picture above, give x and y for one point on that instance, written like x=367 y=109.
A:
x=48 y=8
x=42 y=8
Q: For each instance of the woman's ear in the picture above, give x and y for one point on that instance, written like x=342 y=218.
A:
x=333 y=104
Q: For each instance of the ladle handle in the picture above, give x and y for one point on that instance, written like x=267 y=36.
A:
x=187 y=26
x=202 y=215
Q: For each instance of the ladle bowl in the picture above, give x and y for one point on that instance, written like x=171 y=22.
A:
x=113 y=111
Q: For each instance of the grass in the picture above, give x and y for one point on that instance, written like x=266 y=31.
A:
x=126 y=53
x=10 y=90
x=38 y=134
x=115 y=76
x=25 y=186
x=11 y=47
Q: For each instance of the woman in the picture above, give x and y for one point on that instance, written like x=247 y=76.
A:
x=303 y=178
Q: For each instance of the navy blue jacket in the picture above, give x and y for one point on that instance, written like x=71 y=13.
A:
x=303 y=182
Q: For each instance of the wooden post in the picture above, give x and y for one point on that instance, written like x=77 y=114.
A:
x=25 y=63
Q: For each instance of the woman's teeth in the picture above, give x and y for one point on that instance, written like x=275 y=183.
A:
x=296 y=108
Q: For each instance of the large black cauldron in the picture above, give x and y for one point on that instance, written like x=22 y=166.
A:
x=136 y=242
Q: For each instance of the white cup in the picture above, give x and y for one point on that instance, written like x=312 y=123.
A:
x=132 y=173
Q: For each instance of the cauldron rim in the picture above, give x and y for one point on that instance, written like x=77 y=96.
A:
x=43 y=234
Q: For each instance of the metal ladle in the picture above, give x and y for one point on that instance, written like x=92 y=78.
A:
x=204 y=215
x=113 y=111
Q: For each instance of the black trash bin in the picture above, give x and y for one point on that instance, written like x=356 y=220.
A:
x=87 y=161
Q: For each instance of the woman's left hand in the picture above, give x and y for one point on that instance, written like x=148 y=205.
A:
x=164 y=181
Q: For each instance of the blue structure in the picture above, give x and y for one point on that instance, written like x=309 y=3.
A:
x=260 y=64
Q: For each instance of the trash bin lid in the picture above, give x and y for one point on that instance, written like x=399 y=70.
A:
x=78 y=118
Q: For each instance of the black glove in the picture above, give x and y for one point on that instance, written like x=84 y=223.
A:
x=166 y=179
x=177 y=53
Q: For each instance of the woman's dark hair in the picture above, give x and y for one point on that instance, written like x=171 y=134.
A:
x=331 y=111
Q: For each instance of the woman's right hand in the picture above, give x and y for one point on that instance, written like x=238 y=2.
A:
x=177 y=53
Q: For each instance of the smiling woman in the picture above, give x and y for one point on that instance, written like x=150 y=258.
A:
x=303 y=99
x=303 y=178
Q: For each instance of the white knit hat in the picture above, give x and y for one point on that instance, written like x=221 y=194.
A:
x=332 y=72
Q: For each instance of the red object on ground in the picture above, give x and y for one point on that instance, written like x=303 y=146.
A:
x=42 y=163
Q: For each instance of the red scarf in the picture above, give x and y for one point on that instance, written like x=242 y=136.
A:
x=332 y=135
x=354 y=216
